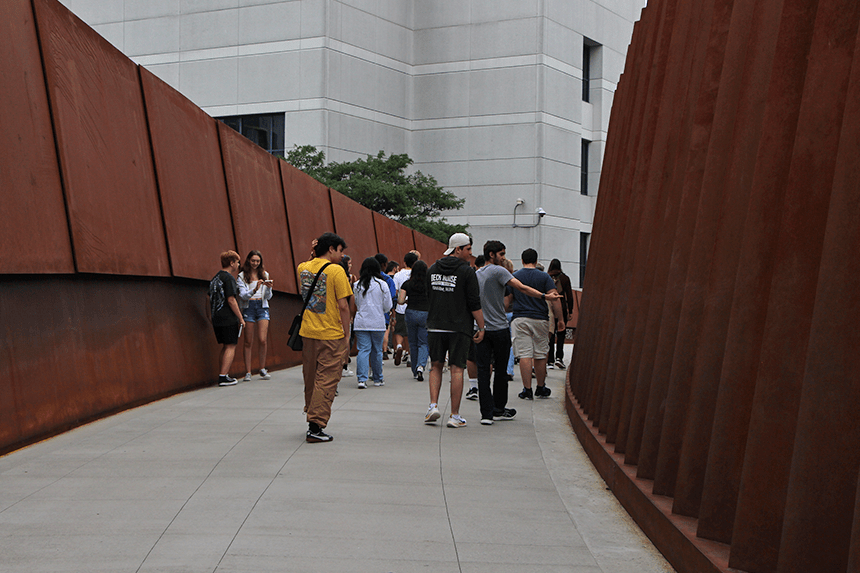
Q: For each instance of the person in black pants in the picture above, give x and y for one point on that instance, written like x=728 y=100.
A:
x=494 y=349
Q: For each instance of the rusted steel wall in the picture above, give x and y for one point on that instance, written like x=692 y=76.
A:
x=715 y=377
x=118 y=196
x=394 y=239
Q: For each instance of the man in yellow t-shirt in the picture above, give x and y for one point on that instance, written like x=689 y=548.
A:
x=325 y=331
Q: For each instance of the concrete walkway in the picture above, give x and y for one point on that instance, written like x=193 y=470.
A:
x=222 y=480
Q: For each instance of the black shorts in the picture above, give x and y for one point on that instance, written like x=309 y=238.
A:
x=227 y=334
x=454 y=344
x=399 y=324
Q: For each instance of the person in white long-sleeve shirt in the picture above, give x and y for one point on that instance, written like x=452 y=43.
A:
x=372 y=301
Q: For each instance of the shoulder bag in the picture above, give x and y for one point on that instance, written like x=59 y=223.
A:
x=295 y=341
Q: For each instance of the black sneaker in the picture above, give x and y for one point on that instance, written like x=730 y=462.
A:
x=318 y=436
x=506 y=414
x=526 y=394
x=420 y=376
x=543 y=391
x=227 y=381
x=472 y=394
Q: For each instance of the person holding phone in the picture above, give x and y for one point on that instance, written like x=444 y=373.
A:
x=255 y=291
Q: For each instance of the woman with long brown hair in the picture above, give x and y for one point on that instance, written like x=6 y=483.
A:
x=255 y=291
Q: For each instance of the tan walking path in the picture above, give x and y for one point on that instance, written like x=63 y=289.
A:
x=222 y=480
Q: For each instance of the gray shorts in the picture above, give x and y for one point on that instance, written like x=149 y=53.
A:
x=531 y=337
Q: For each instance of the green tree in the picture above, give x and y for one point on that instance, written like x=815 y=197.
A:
x=381 y=183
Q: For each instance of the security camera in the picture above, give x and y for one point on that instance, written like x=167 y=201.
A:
x=541 y=212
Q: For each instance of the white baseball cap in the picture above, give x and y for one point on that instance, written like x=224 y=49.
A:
x=457 y=240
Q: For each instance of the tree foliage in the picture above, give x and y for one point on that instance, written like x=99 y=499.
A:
x=381 y=183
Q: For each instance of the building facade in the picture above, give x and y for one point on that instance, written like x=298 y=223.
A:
x=505 y=102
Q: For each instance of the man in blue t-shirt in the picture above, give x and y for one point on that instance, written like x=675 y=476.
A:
x=530 y=325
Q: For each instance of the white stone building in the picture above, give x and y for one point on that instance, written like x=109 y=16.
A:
x=499 y=100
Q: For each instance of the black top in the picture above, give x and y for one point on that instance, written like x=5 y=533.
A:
x=221 y=287
x=454 y=294
x=416 y=295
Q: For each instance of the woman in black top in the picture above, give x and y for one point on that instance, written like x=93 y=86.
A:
x=413 y=292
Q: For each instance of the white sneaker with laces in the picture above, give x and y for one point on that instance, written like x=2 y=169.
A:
x=264 y=374
x=347 y=373
x=247 y=377
x=456 y=422
x=432 y=415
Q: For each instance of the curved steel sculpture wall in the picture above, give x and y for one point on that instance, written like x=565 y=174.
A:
x=716 y=377
x=118 y=195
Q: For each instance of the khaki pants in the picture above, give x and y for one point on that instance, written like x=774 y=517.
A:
x=322 y=366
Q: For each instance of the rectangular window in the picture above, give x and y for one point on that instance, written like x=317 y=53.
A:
x=584 y=239
x=266 y=130
x=586 y=71
x=583 y=169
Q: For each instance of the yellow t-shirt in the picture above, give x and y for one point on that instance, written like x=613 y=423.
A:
x=321 y=320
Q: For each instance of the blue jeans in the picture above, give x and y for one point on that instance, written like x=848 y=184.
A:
x=416 y=331
x=369 y=351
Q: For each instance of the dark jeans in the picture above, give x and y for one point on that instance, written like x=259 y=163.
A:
x=494 y=349
x=556 y=343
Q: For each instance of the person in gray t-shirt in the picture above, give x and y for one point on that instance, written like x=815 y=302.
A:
x=494 y=279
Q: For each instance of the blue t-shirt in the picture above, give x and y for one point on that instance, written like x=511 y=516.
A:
x=526 y=306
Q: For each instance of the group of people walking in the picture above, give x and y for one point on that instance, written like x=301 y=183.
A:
x=453 y=315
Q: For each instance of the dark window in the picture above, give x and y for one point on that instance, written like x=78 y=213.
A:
x=266 y=130
x=583 y=169
x=583 y=256
x=586 y=72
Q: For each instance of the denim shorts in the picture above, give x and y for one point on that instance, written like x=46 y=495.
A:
x=255 y=311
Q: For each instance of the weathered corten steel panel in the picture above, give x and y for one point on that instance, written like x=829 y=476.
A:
x=308 y=210
x=819 y=503
x=737 y=129
x=104 y=149
x=257 y=204
x=618 y=349
x=190 y=180
x=646 y=211
x=746 y=320
x=431 y=250
x=610 y=392
x=591 y=352
x=665 y=166
x=665 y=414
x=121 y=339
x=654 y=371
x=393 y=238
x=35 y=237
x=764 y=480
x=354 y=223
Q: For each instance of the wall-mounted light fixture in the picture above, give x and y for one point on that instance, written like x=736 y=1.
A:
x=539 y=212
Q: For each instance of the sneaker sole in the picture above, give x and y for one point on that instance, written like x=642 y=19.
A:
x=313 y=440
x=503 y=418
x=486 y=422
x=432 y=417
x=233 y=383
x=472 y=397
x=455 y=424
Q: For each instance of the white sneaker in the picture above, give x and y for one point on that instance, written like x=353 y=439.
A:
x=379 y=383
x=247 y=377
x=264 y=374
x=433 y=414
x=362 y=385
x=456 y=422
x=550 y=366
x=347 y=373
